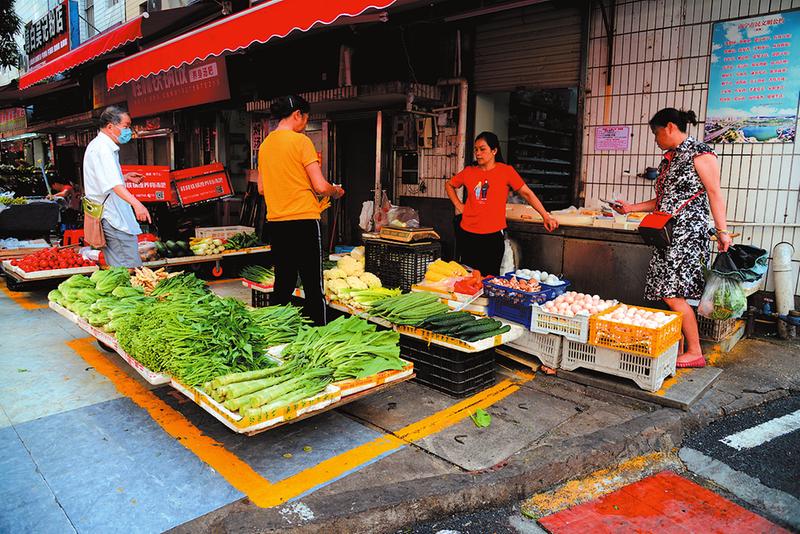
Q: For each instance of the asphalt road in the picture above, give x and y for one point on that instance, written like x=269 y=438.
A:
x=775 y=463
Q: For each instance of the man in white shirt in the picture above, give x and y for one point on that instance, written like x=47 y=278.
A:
x=105 y=184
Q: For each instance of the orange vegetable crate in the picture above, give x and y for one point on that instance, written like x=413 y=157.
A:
x=634 y=339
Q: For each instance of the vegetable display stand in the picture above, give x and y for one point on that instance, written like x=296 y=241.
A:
x=460 y=345
x=513 y=304
x=574 y=328
x=357 y=385
x=634 y=339
x=249 y=250
x=151 y=377
x=715 y=329
x=349 y=310
x=399 y=264
x=647 y=372
x=222 y=232
x=455 y=373
x=546 y=347
x=249 y=425
x=49 y=274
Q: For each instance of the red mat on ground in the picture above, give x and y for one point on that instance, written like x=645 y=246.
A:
x=662 y=503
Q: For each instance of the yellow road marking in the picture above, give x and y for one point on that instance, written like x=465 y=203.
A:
x=22 y=300
x=238 y=474
x=337 y=466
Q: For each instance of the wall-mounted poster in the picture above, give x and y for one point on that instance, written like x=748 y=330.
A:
x=754 y=80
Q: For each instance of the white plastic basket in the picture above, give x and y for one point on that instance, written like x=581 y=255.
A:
x=574 y=328
x=546 y=347
x=648 y=372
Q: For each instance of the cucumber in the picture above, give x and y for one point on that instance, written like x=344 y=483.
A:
x=481 y=326
x=449 y=318
x=485 y=335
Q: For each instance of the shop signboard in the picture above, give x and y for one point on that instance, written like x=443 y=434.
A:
x=13 y=121
x=201 y=184
x=186 y=86
x=612 y=138
x=156 y=185
x=52 y=35
x=754 y=80
x=102 y=97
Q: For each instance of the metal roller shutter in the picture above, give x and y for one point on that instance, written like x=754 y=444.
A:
x=533 y=47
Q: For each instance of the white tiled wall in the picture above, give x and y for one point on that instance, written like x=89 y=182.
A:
x=660 y=59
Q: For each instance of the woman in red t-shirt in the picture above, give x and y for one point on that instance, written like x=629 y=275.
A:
x=481 y=243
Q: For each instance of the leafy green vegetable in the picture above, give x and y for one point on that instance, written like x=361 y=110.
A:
x=258 y=274
x=481 y=418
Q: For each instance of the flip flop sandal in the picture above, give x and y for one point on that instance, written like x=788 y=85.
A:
x=700 y=361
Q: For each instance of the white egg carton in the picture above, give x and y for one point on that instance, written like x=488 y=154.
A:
x=546 y=347
x=647 y=372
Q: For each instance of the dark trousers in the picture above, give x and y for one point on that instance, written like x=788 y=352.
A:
x=297 y=249
x=482 y=251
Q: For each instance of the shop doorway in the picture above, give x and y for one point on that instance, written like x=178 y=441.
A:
x=355 y=170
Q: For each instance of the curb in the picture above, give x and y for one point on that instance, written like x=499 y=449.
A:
x=390 y=508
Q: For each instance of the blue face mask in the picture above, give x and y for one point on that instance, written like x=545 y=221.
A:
x=125 y=135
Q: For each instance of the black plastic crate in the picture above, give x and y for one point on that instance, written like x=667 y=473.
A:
x=455 y=373
x=400 y=264
x=259 y=299
x=458 y=390
x=452 y=360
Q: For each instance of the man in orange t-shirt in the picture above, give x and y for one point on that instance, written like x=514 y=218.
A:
x=481 y=243
x=291 y=178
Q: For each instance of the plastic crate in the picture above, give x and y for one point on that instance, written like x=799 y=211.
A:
x=715 y=329
x=647 y=372
x=634 y=339
x=555 y=291
x=456 y=373
x=513 y=304
x=574 y=328
x=222 y=232
x=399 y=264
x=546 y=347
x=259 y=299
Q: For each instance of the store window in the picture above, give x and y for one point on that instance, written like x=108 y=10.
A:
x=537 y=131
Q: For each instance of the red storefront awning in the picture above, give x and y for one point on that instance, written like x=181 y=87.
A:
x=259 y=24
x=102 y=43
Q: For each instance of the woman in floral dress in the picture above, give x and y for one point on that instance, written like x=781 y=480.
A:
x=688 y=185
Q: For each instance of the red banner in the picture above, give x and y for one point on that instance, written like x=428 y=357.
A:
x=156 y=185
x=200 y=184
x=189 y=85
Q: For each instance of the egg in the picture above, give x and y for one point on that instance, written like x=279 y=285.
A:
x=593 y=310
x=595 y=297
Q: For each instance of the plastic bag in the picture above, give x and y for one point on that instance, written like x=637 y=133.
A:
x=403 y=217
x=742 y=262
x=365 y=218
x=381 y=216
x=723 y=298
x=148 y=251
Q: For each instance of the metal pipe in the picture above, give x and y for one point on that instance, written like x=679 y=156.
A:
x=462 y=118
x=378 y=135
x=784 y=288
x=764 y=225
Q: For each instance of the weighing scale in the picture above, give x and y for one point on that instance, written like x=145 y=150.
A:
x=407 y=235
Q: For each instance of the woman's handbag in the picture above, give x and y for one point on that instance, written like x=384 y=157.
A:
x=93 y=223
x=657 y=227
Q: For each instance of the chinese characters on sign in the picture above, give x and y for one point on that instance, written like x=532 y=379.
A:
x=189 y=85
x=612 y=138
x=156 y=185
x=199 y=184
x=12 y=121
x=754 y=82
x=52 y=35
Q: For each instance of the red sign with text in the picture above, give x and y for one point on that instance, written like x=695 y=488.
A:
x=156 y=185
x=201 y=184
x=186 y=86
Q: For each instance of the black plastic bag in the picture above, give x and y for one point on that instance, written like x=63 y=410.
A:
x=742 y=262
